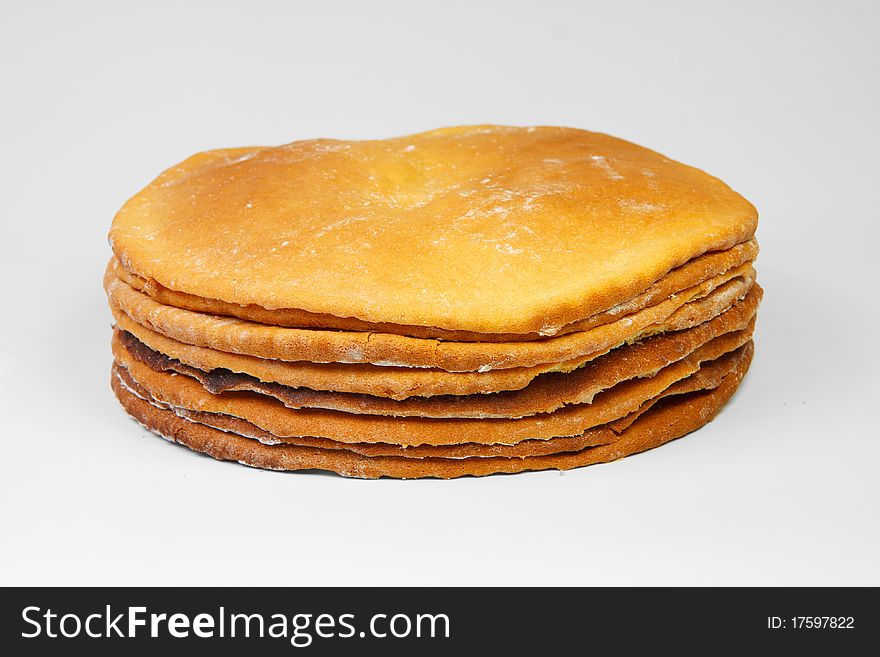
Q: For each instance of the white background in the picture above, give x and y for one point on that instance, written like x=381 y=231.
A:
x=779 y=99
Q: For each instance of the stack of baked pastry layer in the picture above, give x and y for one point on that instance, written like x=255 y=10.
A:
x=464 y=301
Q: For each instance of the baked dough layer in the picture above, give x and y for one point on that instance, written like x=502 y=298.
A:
x=661 y=423
x=687 y=275
x=707 y=377
x=554 y=225
x=689 y=308
x=400 y=383
x=545 y=394
x=288 y=424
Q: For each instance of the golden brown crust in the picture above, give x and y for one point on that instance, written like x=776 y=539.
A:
x=544 y=394
x=692 y=306
x=689 y=274
x=404 y=382
x=554 y=225
x=384 y=381
x=660 y=424
x=234 y=425
x=272 y=416
x=707 y=377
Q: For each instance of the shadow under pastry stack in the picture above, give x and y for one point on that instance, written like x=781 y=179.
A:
x=464 y=301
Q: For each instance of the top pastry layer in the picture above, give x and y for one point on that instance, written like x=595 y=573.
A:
x=486 y=229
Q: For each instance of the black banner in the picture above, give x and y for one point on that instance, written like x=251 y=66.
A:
x=432 y=621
